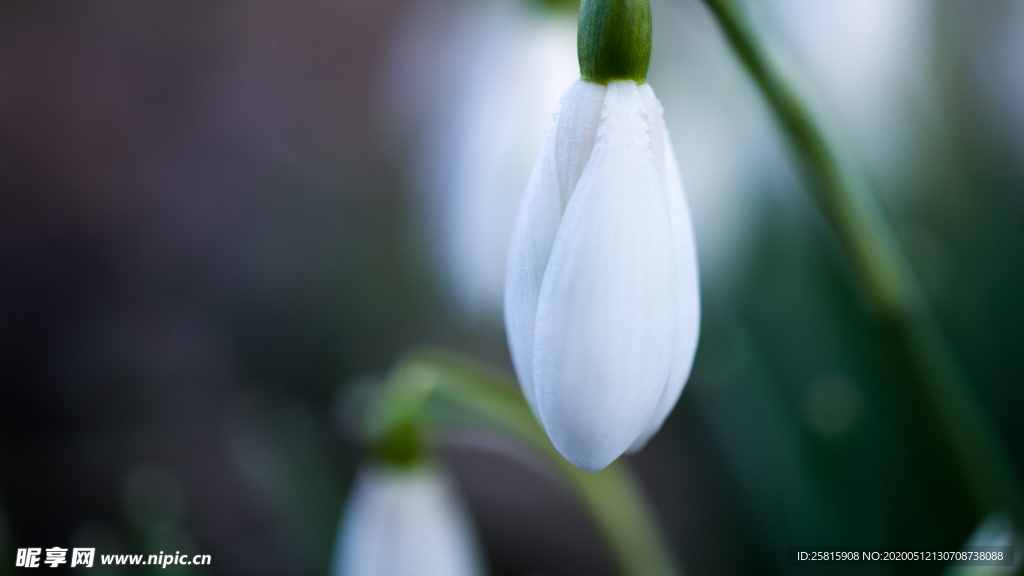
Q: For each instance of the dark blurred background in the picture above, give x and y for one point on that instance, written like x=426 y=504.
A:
x=209 y=229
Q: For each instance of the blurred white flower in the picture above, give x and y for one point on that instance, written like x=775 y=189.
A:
x=602 y=305
x=405 y=522
x=870 y=60
x=487 y=92
x=992 y=48
x=994 y=530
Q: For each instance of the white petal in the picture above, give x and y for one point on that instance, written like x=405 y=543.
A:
x=654 y=116
x=606 y=319
x=405 y=523
x=537 y=223
x=684 y=250
x=577 y=128
x=532 y=238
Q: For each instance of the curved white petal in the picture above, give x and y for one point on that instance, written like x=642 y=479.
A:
x=405 y=523
x=532 y=238
x=688 y=297
x=538 y=219
x=577 y=129
x=606 y=320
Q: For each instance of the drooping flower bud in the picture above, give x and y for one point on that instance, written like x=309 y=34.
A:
x=405 y=521
x=602 y=306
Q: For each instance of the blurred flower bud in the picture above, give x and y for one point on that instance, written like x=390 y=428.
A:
x=405 y=521
x=481 y=98
x=602 y=304
x=996 y=529
x=869 y=58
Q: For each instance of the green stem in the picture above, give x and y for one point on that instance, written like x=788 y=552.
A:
x=612 y=496
x=843 y=195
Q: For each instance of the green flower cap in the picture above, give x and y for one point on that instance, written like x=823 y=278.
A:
x=402 y=447
x=614 y=40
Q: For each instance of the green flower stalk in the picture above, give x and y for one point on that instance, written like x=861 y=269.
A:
x=418 y=396
x=900 y=304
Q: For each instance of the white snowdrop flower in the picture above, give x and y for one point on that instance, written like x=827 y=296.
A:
x=405 y=522
x=602 y=306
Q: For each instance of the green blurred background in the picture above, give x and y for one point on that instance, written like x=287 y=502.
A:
x=212 y=225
